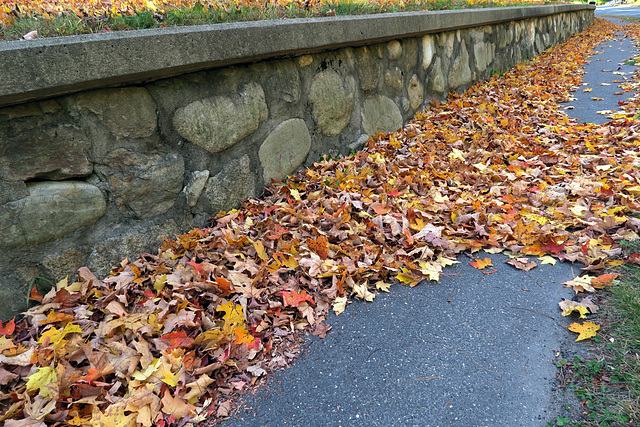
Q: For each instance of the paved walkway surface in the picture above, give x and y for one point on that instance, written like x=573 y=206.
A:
x=475 y=349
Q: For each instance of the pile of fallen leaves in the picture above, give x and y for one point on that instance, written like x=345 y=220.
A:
x=171 y=337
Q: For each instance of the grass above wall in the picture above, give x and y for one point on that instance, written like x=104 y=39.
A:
x=69 y=18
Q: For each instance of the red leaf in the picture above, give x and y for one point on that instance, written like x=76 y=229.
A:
x=9 y=328
x=197 y=266
x=177 y=339
x=293 y=298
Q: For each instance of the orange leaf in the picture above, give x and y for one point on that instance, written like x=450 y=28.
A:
x=224 y=285
x=177 y=339
x=481 y=263
x=603 y=280
x=55 y=317
x=293 y=298
x=319 y=246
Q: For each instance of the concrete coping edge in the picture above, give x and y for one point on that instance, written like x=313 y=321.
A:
x=43 y=68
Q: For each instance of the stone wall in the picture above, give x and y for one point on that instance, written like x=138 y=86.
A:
x=92 y=177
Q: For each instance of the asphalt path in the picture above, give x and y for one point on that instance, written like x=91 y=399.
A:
x=619 y=10
x=475 y=349
x=607 y=69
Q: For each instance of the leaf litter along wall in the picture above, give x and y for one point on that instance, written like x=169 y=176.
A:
x=139 y=163
x=185 y=327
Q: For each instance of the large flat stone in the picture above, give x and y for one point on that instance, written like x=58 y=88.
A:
x=460 y=72
x=333 y=101
x=126 y=112
x=50 y=211
x=55 y=152
x=219 y=122
x=143 y=185
x=380 y=114
x=233 y=184
x=284 y=150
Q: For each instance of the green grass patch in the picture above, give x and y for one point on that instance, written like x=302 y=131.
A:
x=608 y=383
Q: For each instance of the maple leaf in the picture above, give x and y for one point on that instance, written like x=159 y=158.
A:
x=362 y=291
x=9 y=328
x=569 y=307
x=114 y=415
x=604 y=280
x=293 y=298
x=580 y=284
x=522 y=263
x=41 y=380
x=339 y=304
x=481 y=263
x=177 y=339
x=586 y=330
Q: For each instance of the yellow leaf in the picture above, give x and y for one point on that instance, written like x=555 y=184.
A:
x=170 y=378
x=456 y=155
x=430 y=271
x=569 y=307
x=339 y=304
x=56 y=336
x=585 y=331
x=41 y=379
x=146 y=373
x=382 y=286
x=233 y=318
x=295 y=194
x=113 y=416
x=259 y=247
x=362 y=291
x=547 y=260
x=445 y=262
x=589 y=89
x=580 y=284
x=404 y=277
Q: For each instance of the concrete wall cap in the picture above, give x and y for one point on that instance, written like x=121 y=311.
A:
x=42 y=68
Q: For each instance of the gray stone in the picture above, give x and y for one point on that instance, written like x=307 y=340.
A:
x=233 y=184
x=393 y=78
x=11 y=191
x=219 y=122
x=52 y=210
x=369 y=68
x=428 y=50
x=128 y=242
x=409 y=54
x=333 y=101
x=484 y=52
x=359 y=143
x=437 y=84
x=142 y=184
x=195 y=186
x=380 y=114
x=281 y=85
x=460 y=73
x=64 y=264
x=448 y=41
x=394 y=48
x=127 y=112
x=416 y=92
x=284 y=150
x=29 y=109
x=47 y=152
